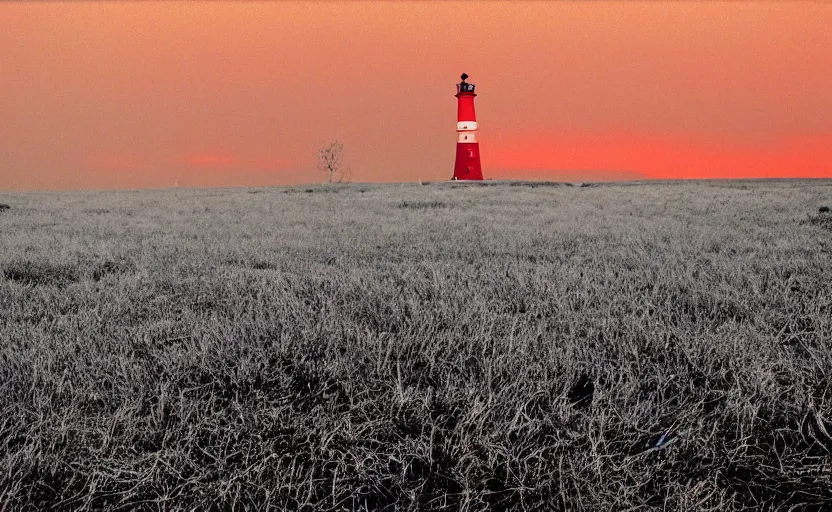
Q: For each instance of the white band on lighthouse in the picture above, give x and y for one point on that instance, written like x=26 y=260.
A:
x=466 y=125
x=466 y=137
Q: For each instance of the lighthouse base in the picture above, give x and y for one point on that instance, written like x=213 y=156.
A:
x=467 y=165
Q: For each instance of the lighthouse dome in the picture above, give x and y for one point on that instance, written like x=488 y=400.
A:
x=464 y=86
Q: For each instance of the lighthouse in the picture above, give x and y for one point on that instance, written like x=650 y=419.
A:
x=467 y=165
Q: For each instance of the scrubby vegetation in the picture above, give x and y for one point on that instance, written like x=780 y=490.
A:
x=656 y=346
x=823 y=219
x=420 y=205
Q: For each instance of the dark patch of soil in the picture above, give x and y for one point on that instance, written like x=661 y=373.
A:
x=40 y=273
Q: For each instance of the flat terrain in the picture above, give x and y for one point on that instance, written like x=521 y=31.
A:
x=403 y=347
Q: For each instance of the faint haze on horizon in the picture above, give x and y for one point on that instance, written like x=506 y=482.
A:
x=145 y=95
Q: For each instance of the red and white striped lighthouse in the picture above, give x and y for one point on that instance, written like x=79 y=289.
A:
x=467 y=165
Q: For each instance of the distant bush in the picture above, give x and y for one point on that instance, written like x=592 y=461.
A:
x=535 y=184
x=823 y=209
x=422 y=205
x=4 y=207
x=331 y=189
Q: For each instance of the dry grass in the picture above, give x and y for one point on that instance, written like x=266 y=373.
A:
x=403 y=347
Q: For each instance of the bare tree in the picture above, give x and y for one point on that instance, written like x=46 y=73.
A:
x=330 y=160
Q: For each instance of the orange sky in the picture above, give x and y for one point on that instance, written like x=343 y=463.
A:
x=132 y=95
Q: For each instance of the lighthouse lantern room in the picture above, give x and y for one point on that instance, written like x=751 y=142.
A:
x=467 y=165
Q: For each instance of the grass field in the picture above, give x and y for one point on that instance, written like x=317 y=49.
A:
x=403 y=347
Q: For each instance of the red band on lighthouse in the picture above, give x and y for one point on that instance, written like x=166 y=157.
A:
x=467 y=165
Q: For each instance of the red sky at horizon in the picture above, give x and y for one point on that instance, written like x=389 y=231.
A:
x=100 y=95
